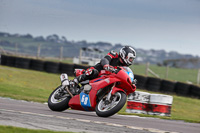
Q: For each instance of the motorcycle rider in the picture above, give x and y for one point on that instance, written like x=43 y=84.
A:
x=125 y=57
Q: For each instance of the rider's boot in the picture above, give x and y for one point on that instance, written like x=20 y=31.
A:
x=73 y=84
x=78 y=79
x=89 y=74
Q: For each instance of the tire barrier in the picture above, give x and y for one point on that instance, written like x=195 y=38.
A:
x=153 y=84
x=149 y=83
x=167 y=86
x=67 y=68
x=141 y=81
x=146 y=103
x=52 y=67
x=22 y=62
x=3 y=59
x=37 y=65
x=7 y=60
x=182 y=89
x=194 y=91
x=10 y=61
x=160 y=105
x=138 y=102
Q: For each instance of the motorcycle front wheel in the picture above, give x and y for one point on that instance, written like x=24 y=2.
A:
x=58 y=100
x=107 y=108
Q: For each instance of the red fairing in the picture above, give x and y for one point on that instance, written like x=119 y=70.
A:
x=75 y=103
x=79 y=72
x=119 y=81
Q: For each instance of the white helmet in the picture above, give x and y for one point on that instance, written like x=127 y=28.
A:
x=127 y=55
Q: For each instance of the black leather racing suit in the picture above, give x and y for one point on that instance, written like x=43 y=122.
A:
x=112 y=58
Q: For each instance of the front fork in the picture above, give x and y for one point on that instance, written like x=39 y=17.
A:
x=113 y=91
x=110 y=93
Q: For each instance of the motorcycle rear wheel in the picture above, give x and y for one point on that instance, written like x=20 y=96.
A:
x=58 y=104
x=106 y=109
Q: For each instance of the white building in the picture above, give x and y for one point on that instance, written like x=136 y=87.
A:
x=89 y=56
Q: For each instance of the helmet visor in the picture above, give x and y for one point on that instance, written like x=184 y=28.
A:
x=131 y=59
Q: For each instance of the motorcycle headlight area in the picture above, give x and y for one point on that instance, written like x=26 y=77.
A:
x=130 y=74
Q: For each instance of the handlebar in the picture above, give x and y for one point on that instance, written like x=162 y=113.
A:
x=114 y=70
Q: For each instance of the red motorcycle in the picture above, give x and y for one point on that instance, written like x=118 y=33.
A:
x=105 y=95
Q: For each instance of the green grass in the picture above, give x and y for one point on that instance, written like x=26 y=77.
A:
x=10 y=129
x=27 y=84
x=174 y=74
x=36 y=86
x=187 y=109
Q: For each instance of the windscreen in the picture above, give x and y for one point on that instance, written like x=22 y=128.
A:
x=129 y=72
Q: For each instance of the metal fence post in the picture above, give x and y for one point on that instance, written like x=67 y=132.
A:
x=167 y=71
x=38 y=51
x=198 y=77
x=80 y=56
x=147 y=69
x=16 y=49
x=61 y=53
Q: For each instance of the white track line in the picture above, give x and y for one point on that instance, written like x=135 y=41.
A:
x=89 y=121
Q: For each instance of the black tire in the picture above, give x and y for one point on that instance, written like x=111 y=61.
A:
x=153 y=84
x=194 y=91
x=167 y=86
x=141 y=81
x=52 y=67
x=10 y=61
x=182 y=89
x=113 y=110
x=37 y=65
x=59 y=106
x=22 y=62
x=4 y=59
x=67 y=68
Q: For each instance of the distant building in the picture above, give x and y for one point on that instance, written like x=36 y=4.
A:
x=89 y=56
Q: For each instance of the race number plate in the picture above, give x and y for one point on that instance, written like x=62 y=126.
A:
x=85 y=101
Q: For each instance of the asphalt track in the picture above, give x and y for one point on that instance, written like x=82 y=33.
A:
x=38 y=116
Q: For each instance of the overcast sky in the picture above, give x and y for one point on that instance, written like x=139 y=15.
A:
x=172 y=25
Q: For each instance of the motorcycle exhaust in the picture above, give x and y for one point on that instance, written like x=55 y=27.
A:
x=64 y=79
x=65 y=82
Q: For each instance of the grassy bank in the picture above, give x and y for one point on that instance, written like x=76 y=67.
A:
x=174 y=74
x=10 y=129
x=26 y=84
x=37 y=86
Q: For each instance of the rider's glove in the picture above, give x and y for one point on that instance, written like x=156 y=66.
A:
x=108 y=68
